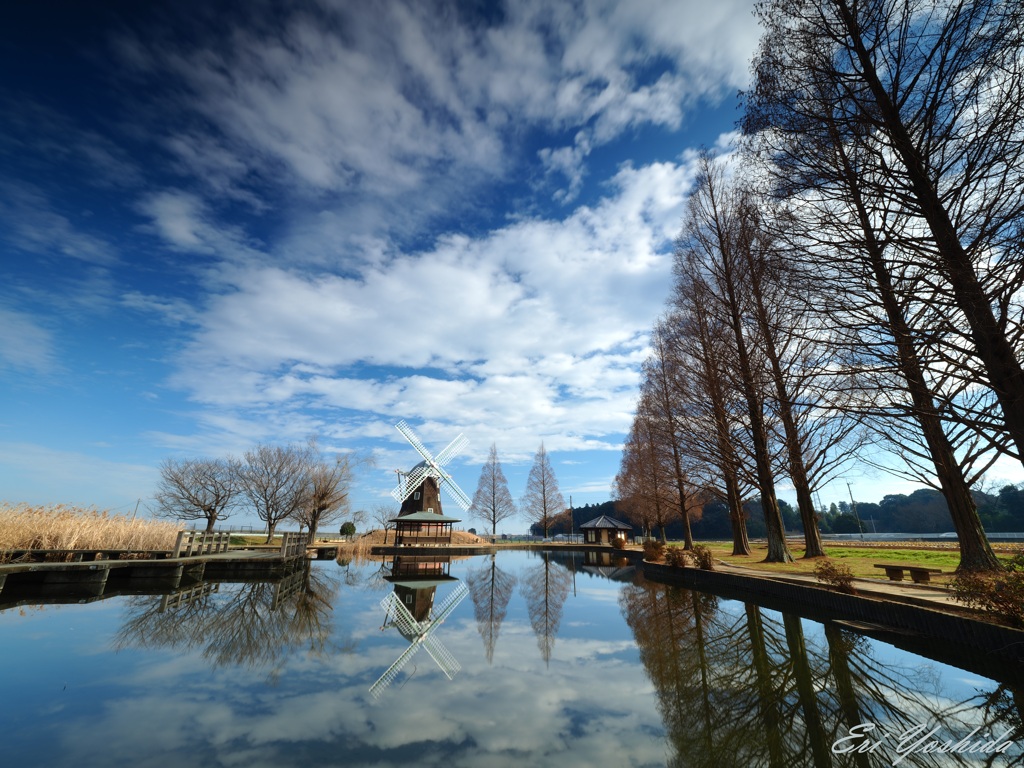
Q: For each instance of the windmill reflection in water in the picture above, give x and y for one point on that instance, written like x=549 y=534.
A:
x=410 y=608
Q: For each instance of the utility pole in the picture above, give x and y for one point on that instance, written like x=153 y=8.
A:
x=853 y=508
x=572 y=532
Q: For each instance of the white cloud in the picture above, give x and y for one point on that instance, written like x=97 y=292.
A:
x=174 y=311
x=311 y=162
x=25 y=345
x=394 y=99
x=32 y=224
x=536 y=329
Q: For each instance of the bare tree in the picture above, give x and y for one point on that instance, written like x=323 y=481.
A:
x=359 y=518
x=382 y=515
x=275 y=479
x=907 y=193
x=940 y=138
x=704 y=353
x=718 y=228
x=644 y=481
x=330 y=486
x=660 y=374
x=197 y=489
x=542 y=501
x=492 y=501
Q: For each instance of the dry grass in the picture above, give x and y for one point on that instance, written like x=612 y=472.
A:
x=64 y=527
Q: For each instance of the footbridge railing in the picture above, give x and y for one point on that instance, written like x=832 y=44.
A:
x=192 y=543
x=294 y=544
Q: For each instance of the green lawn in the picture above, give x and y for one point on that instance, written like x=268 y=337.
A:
x=860 y=559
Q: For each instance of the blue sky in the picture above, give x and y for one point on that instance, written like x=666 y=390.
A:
x=229 y=223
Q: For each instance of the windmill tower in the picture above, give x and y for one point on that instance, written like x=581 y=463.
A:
x=420 y=520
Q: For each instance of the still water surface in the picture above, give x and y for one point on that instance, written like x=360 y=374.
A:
x=540 y=660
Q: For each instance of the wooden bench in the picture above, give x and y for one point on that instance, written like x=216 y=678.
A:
x=920 y=574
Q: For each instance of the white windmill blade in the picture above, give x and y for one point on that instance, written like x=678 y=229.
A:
x=456 y=493
x=448 y=605
x=401 y=491
x=442 y=656
x=453 y=448
x=400 y=615
x=411 y=481
x=392 y=672
x=406 y=430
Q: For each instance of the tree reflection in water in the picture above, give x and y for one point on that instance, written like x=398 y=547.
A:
x=254 y=624
x=747 y=688
x=545 y=586
x=490 y=589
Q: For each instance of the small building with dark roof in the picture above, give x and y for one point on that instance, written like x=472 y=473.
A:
x=603 y=529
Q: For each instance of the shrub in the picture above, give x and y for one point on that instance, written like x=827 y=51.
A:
x=348 y=528
x=704 y=557
x=619 y=543
x=653 y=551
x=836 y=575
x=1001 y=594
x=677 y=557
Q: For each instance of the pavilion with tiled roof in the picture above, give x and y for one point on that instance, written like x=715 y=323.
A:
x=604 y=529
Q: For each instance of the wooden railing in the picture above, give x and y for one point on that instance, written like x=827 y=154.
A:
x=288 y=587
x=186 y=596
x=192 y=543
x=294 y=544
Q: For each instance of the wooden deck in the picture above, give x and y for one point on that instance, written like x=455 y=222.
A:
x=94 y=573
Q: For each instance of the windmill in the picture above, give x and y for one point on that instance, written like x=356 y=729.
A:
x=420 y=521
x=418 y=633
x=409 y=481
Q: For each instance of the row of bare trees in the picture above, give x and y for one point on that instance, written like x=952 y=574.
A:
x=732 y=395
x=854 y=284
x=542 y=502
x=275 y=482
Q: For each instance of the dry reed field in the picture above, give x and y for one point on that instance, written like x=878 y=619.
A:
x=23 y=526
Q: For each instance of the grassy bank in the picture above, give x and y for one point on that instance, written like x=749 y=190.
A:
x=860 y=559
x=23 y=526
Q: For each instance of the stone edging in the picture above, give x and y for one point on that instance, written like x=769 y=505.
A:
x=979 y=644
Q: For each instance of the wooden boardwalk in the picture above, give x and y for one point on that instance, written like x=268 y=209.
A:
x=196 y=557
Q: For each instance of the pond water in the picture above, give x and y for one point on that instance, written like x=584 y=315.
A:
x=526 y=659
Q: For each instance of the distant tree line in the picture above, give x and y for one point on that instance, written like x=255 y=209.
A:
x=276 y=483
x=849 y=286
x=922 y=511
